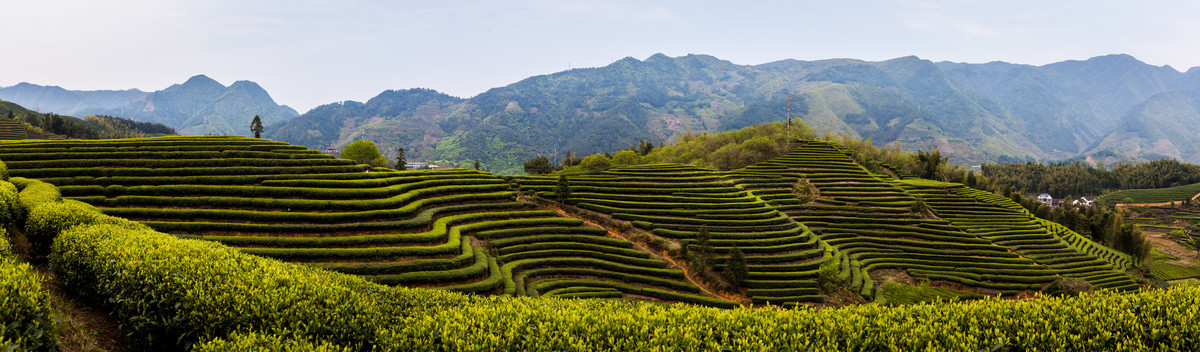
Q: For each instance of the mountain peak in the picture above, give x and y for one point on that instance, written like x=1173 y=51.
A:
x=202 y=80
x=198 y=86
x=248 y=86
x=1111 y=61
x=250 y=89
x=658 y=57
x=907 y=58
x=1115 y=58
x=628 y=60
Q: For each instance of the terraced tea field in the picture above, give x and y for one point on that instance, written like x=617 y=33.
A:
x=11 y=130
x=453 y=229
x=466 y=231
x=1158 y=196
x=677 y=202
x=1006 y=223
x=871 y=221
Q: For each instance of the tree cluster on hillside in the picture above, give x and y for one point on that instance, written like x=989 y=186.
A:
x=722 y=151
x=55 y=124
x=733 y=149
x=116 y=127
x=571 y=163
x=1077 y=179
x=364 y=152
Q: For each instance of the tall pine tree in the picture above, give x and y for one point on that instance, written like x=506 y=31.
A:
x=401 y=161
x=735 y=268
x=563 y=190
x=256 y=127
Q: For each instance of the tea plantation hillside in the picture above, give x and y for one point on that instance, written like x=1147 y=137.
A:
x=876 y=222
x=174 y=294
x=1170 y=195
x=197 y=270
x=678 y=202
x=453 y=229
x=865 y=223
x=466 y=231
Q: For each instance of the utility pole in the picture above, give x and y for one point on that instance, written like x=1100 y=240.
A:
x=788 y=133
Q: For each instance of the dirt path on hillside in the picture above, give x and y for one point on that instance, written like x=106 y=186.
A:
x=741 y=299
x=1187 y=256
x=641 y=246
x=892 y=173
x=82 y=326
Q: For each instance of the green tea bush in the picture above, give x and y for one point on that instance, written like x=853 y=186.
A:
x=266 y=343
x=398 y=200
x=185 y=171
x=25 y=317
x=171 y=292
x=470 y=201
x=49 y=219
x=36 y=192
x=10 y=204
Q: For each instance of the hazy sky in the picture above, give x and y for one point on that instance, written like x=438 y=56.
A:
x=312 y=52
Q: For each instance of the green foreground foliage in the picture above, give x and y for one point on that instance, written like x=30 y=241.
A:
x=900 y=294
x=25 y=318
x=24 y=305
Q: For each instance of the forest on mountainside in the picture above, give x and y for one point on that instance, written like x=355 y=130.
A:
x=1063 y=180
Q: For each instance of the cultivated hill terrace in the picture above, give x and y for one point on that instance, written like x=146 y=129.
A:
x=472 y=231
x=970 y=238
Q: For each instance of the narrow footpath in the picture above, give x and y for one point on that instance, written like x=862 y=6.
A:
x=742 y=299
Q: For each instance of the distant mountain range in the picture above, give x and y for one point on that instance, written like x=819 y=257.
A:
x=1107 y=108
x=972 y=112
x=55 y=99
x=1165 y=126
x=200 y=105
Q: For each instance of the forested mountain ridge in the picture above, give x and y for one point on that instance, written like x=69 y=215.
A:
x=343 y=122
x=972 y=112
x=200 y=105
x=1068 y=106
x=1164 y=126
x=66 y=102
